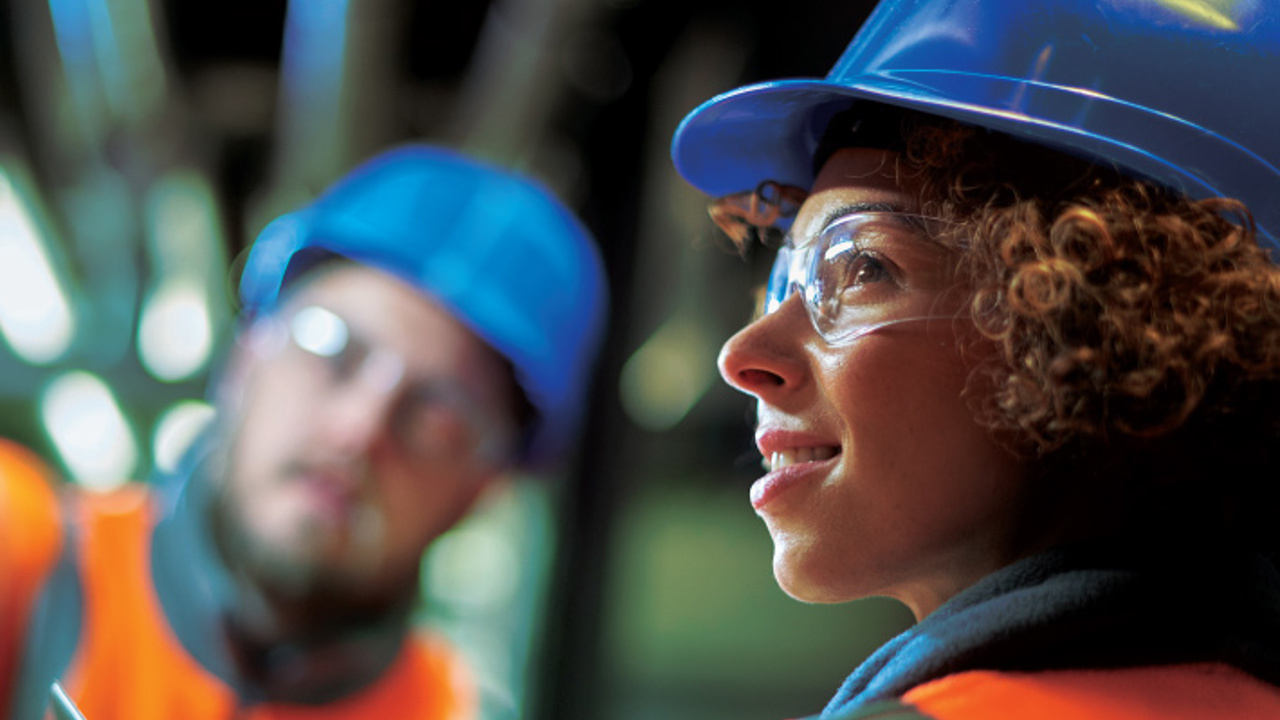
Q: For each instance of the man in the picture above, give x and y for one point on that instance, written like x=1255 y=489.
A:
x=423 y=328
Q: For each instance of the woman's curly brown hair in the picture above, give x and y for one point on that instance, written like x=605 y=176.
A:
x=1123 y=328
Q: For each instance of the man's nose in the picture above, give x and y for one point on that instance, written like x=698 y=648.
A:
x=363 y=409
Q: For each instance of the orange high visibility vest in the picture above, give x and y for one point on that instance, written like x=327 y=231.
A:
x=129 y=665
x=1208 y=691
x=30 y=543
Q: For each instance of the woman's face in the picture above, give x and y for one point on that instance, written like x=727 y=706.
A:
x=880 y=482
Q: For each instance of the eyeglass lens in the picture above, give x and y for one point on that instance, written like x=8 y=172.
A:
x=433 y=415
x=836 y=273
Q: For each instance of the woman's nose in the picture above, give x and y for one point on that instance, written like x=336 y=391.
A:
x=764 y=358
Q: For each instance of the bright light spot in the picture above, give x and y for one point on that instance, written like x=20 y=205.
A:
x=175 y=332
x=1217 y=14
x=668 y=374
x=35 y=316
x=177 y=429
x=177 y=323
x=89 y=430
x=319 y=331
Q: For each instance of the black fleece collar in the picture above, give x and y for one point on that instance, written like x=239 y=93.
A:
x=1105 y=605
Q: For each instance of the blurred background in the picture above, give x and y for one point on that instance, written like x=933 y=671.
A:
x=143 y=144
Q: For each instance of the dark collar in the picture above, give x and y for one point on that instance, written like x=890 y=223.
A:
x=1091 y=606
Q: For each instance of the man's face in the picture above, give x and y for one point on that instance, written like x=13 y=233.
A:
x=350 y=420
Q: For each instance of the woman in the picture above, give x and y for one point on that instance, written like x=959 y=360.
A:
x=1013 y=369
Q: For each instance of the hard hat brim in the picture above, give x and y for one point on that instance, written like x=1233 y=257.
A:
x=770 y=131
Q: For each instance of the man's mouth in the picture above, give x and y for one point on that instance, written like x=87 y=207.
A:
x=335 y=490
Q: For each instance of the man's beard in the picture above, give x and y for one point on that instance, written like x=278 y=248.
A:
x=284 y=594
x=297 y=574
x=300 y=573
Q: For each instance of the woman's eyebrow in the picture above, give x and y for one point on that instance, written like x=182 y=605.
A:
x=841 y=211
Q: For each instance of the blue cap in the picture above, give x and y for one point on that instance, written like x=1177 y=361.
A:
x=507 y=258
x=1182 y=93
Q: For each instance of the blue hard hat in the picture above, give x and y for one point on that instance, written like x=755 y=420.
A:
x=1185 y=93
x=497 y=249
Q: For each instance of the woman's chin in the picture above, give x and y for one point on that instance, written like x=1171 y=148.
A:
x=806 y=586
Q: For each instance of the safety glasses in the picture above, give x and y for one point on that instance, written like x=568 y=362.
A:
x=431 y=416
x=863 y=272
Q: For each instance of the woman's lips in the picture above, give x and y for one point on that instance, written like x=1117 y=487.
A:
x=791 y=459
x=792 y=470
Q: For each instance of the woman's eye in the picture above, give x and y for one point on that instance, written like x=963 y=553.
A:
x=864 y=268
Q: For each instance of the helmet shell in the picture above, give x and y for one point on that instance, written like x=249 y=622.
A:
x=1183 y=93
x=498 y=250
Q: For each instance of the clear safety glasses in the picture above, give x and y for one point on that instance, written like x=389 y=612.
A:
x=863 y=272
x=431 y=416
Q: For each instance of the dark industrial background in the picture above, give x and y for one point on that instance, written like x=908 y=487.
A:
x=144 y=144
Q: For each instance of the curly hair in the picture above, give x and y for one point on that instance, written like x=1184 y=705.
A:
x=1117 y=307
x=1128 y=336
